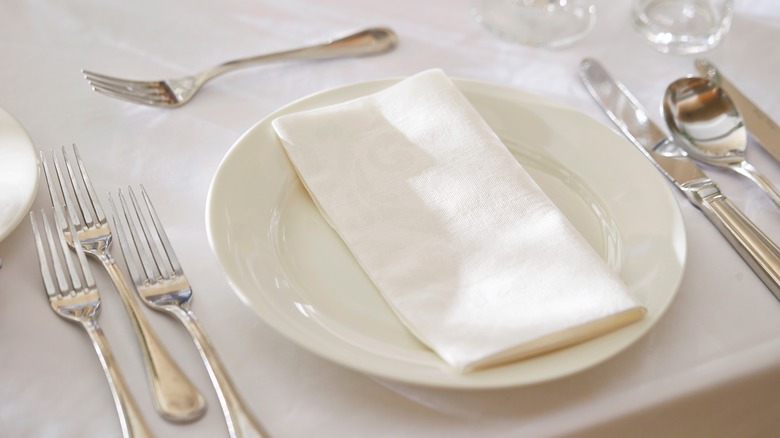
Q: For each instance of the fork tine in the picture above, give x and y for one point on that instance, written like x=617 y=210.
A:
x=74 y=276
x=56 y=264
x=158 y=92
x=49 y=182
x=48 y=281
x=93 y=76
x=159 y=96
x=133 y=99
x=76 y=190
x=149 y=88
x=54 y=194
x=126 y=241
x=146 y=93
x=141 y=244
x=72 y=268
x=89 y=279
x=88 y=185
x=69 y=193
x=163 y=265
x=160 y=230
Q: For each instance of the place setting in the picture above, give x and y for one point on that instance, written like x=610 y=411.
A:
x=434 y=229
x=294 y=284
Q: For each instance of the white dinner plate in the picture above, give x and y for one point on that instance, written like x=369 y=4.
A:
x=18 y=173
x=286 y=263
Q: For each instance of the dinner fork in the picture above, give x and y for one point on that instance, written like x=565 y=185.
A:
x=172 y=93
x=175 y=397
x=162 y=285
x=80 y=302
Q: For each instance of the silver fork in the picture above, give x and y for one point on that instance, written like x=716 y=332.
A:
x=162 y=285
x=175 y=397
x=80 y=302
x=172 y=93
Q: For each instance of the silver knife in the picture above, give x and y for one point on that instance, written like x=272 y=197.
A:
x=760 y=125
x=758 y=250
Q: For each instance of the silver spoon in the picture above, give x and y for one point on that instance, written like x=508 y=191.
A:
x=706 y=123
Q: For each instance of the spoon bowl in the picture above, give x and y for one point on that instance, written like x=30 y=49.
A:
x=705 y=122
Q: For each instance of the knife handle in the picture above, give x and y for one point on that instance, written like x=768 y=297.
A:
x=758 y=250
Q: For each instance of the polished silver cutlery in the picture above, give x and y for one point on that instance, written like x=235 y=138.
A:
x=758 y=250
x=758 y=123
x=160 y=282
x=175 y=92
x=705 y=122
x=78 y=301
x=71 y=192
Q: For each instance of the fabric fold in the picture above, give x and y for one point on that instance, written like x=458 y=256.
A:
x=466 y=248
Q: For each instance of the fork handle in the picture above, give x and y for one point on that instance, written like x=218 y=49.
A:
x=176 y=397
x=130 y=419
x=367 y=42
x=240 y=422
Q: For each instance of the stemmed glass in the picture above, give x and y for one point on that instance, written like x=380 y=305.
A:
x=538 y=23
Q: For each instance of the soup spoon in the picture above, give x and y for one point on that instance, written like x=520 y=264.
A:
x=705 y=122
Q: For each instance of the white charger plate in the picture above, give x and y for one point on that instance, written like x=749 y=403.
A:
x=292 y=269
x=18 y=173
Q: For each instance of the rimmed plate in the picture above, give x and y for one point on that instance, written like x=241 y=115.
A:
x=18 y=173
x=287 y=264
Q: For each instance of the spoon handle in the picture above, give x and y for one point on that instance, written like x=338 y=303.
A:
x=748 y=170
x=758 y=250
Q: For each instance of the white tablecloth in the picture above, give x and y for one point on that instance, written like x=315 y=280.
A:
x=711 y=367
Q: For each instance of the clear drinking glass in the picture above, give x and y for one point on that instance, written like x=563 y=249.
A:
x=682 y=26
x=540 y=23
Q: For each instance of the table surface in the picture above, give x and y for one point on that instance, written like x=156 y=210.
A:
x=711 y=366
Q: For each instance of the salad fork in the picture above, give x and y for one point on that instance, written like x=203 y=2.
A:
x=172 y=93
x=175 y=397
x=80 y=302
x=162 y=285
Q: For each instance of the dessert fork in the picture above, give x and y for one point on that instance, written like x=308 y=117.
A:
x=80 y=302
x=172 y=93
x=162 y=285
x=176 y=398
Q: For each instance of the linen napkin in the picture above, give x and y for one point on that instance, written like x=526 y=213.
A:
x=465 y=247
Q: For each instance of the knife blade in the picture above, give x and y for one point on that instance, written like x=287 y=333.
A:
x=758 y=250
x=758 y=123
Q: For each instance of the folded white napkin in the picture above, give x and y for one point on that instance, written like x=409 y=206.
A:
x=473 y=257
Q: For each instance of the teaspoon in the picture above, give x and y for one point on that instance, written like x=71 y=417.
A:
x=708 y=126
